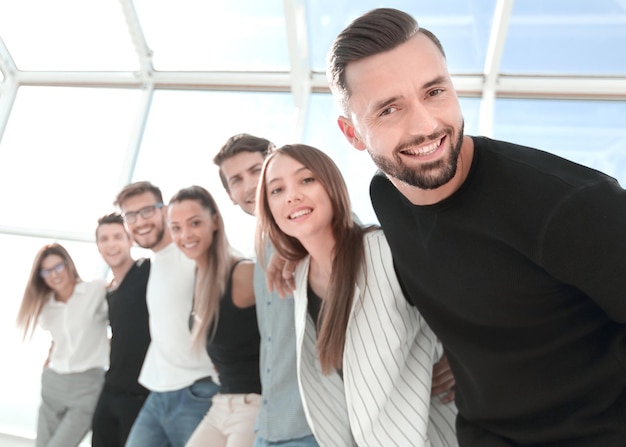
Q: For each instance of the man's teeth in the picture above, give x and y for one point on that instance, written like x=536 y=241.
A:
x=426 y=150
x=300 y=213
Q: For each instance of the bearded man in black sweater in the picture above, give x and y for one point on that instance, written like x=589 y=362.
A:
x=515 y=257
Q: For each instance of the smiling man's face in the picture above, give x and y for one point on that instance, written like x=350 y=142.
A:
x=242 y=172
x=404 y=111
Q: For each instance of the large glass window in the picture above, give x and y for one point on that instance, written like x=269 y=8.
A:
x=68 y=35
x=215 y=36
x=595 y=34
x=592 y=133
x=62 y=154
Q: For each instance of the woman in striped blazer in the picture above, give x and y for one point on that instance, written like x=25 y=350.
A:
x=364 y=355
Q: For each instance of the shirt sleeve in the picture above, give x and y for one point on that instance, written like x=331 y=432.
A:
x=584 y=245
x=99 y=291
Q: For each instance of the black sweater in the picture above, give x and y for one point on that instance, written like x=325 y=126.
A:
x=522 y=275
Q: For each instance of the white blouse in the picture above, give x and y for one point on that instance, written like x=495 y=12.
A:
x=78 y=328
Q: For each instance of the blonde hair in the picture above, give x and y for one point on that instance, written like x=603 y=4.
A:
x=348 y=256
x=206 y=307
x=37 y=291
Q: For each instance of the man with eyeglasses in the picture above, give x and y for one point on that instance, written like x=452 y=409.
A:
x=180 y=378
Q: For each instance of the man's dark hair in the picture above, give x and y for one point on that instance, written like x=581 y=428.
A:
x=135 y=189
x=109 y=219
x=236 y=144
x=374 y=32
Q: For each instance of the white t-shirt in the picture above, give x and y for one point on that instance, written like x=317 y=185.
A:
x=172 y=363
x=78 y=328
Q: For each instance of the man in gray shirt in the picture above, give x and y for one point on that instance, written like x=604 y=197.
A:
x=281 y=420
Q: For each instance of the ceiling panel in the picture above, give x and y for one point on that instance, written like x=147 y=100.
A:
x=235 y=35
x=67 y=35
x=566 y=37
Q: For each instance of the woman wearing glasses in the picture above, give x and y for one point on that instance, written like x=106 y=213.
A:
x=74 y=312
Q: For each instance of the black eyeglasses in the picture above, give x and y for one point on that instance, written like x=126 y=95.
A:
x=146 y=212
x=44 y=273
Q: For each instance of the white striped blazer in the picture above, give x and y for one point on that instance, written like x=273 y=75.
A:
x=384 y=397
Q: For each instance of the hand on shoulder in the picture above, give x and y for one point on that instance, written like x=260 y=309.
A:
x=279 y=275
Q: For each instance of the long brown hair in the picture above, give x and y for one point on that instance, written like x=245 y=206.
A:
x=37 y=291
x=348 y=256
x=206 y=307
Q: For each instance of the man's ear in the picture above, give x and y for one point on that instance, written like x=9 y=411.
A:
x=349 y=132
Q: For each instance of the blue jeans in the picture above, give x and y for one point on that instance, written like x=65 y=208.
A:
x=169 y=418
x=307 y=441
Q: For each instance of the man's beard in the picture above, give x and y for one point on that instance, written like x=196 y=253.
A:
x=429 y=175
x=156 y=242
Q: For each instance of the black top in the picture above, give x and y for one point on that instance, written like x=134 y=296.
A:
x=314 y=305
x=314 y=308
x=235 y=347
x=522 y=275
x=128 y=317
